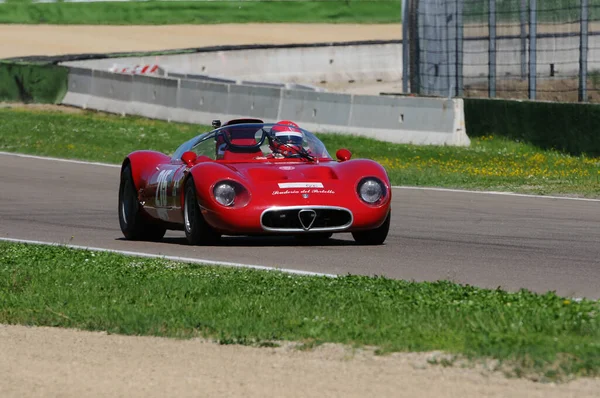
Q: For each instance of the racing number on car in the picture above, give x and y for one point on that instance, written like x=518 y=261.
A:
x=174 y=192
x=161 y=190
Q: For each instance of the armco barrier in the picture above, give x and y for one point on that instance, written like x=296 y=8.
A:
x=394 y=119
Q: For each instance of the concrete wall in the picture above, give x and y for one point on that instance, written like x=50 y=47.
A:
x=563 y=52
x=374 y=63
x=395 y=119
x=315 y=64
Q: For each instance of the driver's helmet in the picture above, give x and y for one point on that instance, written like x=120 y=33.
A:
x=288 y=133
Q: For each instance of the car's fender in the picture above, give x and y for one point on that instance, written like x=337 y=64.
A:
x=357 y=169
x=143 y=164
x=205 y=176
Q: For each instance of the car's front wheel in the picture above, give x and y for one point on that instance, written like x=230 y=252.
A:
x=131 y=221
x=374 y=236
x=197 y=230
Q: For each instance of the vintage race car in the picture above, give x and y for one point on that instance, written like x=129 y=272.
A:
x=253 y=178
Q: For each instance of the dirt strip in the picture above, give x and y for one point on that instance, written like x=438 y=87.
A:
x=23 y=40
x=53 y=362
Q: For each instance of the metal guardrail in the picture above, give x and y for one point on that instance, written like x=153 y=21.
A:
x=208 y=78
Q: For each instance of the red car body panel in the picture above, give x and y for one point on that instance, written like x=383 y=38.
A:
x=267 y=183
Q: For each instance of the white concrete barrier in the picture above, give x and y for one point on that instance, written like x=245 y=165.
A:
x=389 y=118
x=363 y=62
x=379 y=61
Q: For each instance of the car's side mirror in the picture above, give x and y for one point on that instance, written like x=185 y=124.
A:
x=343 y=154
x=189 y=158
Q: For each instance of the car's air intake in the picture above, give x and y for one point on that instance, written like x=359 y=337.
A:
x=303 y=219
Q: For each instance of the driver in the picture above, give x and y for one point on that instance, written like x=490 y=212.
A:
x=220 y=146
x=289 y=138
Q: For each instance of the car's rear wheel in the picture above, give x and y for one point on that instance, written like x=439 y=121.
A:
x=374 y=236
x=132 y=223
x=317 y=237
x=197 y=230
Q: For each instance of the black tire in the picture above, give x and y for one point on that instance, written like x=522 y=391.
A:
x=317 y=237
x=132 y=223
x=374 y=236
x=197 y=230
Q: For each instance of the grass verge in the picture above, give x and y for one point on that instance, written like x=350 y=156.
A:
x=491 y=163
x=532 y=335
x=201 y=12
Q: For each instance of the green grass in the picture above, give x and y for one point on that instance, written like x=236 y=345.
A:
x=548 y=11
x=491 y=163
x=201 y=12
x=89 y=136
x=532 y=334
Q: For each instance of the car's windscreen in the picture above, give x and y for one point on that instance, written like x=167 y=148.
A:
x=259 y=140
x=187 y=146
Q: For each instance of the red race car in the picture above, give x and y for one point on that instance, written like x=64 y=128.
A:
x=253 y=178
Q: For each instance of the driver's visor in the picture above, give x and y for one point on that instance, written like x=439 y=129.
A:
x=289 y=137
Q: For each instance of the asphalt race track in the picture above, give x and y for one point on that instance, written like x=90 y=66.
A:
x=480 y=239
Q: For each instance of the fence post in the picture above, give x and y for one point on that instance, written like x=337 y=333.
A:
x=532 y=48
x=523 y=17
x=492 y=50
x=405 y=47
x=459 y=48
x=415 y=71
x=583 y=51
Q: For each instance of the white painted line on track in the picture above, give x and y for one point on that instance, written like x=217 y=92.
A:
x=173 y=258
x=394 y=187
x=187 y=259
x=524 y=195
x=21 y=155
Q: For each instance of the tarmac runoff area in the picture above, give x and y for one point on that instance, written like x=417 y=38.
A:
x=71 y=363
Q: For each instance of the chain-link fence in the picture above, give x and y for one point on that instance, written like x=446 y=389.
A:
x=538 y=49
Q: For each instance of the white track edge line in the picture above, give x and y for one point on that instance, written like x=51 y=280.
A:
x=523 y=195
x=173 y=258
x=394 y=186
x=186 y=259
x=22 y=155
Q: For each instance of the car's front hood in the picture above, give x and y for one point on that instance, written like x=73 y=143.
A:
x=285 y=183
x=286 y=171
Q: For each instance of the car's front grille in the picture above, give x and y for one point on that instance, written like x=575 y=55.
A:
x=299 y=219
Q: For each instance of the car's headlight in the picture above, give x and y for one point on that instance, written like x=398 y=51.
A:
x=224 y=193
x=371 y=190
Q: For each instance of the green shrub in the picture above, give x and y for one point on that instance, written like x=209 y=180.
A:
x=39 y=83
x=572 y=128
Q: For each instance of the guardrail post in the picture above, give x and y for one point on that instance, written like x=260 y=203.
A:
x=523 y=18
x=583 y=51
x=532 y=48
x=492 y=49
